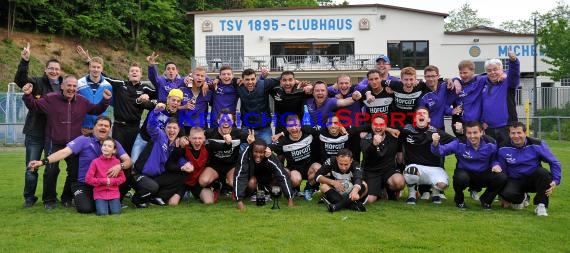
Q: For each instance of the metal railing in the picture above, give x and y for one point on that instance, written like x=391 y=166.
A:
x=290 y=62
x=13 y=113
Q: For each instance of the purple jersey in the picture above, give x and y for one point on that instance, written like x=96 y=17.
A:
x=88 y=148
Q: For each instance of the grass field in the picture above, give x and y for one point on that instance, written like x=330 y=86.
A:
x=308 y=227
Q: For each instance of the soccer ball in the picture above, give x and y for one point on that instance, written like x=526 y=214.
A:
x=412 y=175
x=347 y=186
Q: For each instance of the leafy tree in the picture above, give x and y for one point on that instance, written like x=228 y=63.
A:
x=518 y=26
x=463 y=18
x=14 y=9
x=554 y=40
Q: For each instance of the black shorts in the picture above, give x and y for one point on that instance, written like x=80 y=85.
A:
x=195 y=190
x=222 y=169
x=377 y=181
x=304 y=170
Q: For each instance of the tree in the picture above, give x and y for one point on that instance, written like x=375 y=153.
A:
x=14 y=6
x=554 y=40
x=518 y=26
x=463 y=18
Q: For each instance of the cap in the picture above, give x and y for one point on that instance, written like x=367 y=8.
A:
x=383 y=58
x=176 y=92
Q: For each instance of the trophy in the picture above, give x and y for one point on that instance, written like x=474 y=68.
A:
x=275 y=192
x=260 y=198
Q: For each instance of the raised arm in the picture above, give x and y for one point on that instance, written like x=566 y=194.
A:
x=514 y=72
x=349 y=101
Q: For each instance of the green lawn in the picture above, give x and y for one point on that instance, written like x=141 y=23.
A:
x=308 y=227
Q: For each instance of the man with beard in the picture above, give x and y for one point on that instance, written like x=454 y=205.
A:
x=254 y=101
x=64 y=111
x=422 y=166
x=163 y=84
x=258 y=170
x=34 y=127
x=379 y=162
x=341 y=182
x=87 y=149
x=288 y=97
x=474 y=155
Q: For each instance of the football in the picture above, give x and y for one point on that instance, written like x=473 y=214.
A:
x=347 y=186
x=412 y=175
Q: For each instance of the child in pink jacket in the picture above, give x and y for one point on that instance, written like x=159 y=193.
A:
x=106 y=190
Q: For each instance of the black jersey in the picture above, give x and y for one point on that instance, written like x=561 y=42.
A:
x=224 y=156
x=416 y=143
x=298 y=154
x=381 y=104
x=331 y=170
x=380 y=158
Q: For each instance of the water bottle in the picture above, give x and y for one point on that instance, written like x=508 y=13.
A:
x=308 y=195
x=306 y=121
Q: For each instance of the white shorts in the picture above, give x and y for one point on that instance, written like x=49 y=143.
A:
x=431 y=175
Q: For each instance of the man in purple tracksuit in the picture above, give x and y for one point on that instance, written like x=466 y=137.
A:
x=224 y=95
x=438 y=99
x=87 y=148
x=163 y=84
x=65 y=112
x=321 y=106
x=154 y=180
x=383 y=66
x=498 y=97
x=194 y=105
x=469 y=97
x=474 y=154
x=521 y=158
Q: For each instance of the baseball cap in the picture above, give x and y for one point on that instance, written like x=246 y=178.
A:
x=383 y=58
x=177 y=93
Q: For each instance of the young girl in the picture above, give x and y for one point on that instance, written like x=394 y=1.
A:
x=106 y=190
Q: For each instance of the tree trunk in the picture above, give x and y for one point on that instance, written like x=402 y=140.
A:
x=11 y=17
x=136 y=30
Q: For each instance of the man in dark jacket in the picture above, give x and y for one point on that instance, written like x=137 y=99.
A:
x=35 y=120
x=257 y=171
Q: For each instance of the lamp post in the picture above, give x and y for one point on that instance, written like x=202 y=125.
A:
x=534 y=94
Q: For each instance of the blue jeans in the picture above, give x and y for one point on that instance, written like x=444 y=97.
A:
x=138 y=148
x=34 y=148
x=260 y=134
x=103 y=206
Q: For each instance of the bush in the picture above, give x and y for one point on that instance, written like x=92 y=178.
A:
x=549 y=126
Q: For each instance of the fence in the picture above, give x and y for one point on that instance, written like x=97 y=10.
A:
x=13 y=114
x=291 y=62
